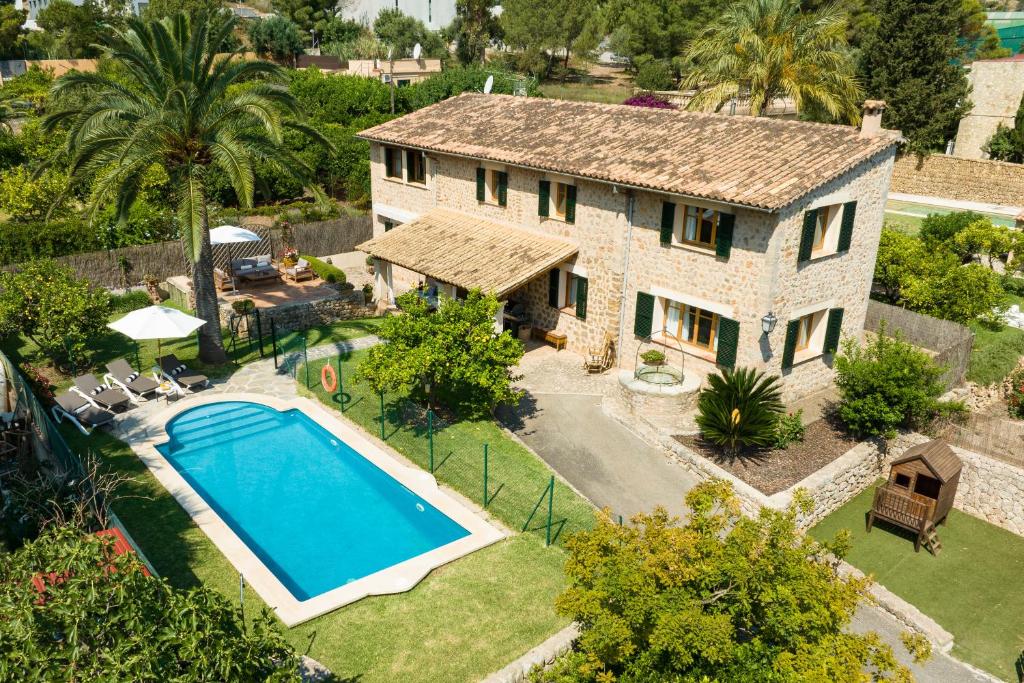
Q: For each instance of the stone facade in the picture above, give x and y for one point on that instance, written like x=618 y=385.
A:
x=760 y=275
x=972 y=180
x=996 y=88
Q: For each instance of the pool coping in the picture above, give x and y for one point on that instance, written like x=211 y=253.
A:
x=397 y=578
x=958 y=204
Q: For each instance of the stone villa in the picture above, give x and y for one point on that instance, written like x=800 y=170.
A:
x=693 y=233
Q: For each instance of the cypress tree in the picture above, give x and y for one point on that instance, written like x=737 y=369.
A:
x=913 y=61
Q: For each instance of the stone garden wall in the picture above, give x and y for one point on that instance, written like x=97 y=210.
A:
x=974 y=180
x=991 y=490
x=346 y=305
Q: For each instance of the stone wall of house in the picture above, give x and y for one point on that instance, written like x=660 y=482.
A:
x=346 y=305
x=974 y=180
x=760 y=275
x=996 y=89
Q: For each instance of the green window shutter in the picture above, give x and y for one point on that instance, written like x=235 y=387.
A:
x=728 y=342
x=553 y=279
x=502 y=188
x=723 y=237
x=833 y=329
x=846 y=228
x=481 y=182
x=570 y=204
x=668 y=221
x=807 y=236
x=581 y=297
x=543 y=198
x=789 y=349
x=644 y=320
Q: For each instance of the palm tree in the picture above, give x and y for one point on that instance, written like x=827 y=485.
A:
x=179 y=105
x=761 y=50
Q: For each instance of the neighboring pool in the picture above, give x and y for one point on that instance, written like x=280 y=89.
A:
x=317 y=513
x=911 y=213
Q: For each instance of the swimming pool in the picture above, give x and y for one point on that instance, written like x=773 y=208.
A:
x=322 y=513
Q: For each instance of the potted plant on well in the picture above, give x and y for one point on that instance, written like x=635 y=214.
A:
x=653 y=358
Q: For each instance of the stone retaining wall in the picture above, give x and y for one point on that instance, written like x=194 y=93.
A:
x=991 y=490
x=346 y=305
x=974 y=180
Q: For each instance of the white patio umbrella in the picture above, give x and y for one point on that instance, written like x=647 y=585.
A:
x=157 y=322
x=232 y=234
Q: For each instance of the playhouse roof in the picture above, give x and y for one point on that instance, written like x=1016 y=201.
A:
x=937 y=455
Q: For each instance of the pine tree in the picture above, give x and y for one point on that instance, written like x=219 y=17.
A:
x=913 y=61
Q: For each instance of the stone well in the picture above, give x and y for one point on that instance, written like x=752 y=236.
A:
x=662 y=405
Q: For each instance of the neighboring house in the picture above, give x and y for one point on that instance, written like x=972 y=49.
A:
x=997 y=86
x=639 y=223
x=436 y=14
x=405 y=71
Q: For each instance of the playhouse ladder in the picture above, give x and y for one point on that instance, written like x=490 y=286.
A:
x=930 y=538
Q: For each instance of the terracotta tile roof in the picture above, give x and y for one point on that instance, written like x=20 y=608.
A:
x=757 y=162
x=937 y=455
x=469 y=252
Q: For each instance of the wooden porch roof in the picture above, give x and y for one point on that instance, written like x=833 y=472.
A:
x=470 y=252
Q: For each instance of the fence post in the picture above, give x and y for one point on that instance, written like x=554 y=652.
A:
x=485 y=474
x=430 y=437
x=551 y=505
x=259 y=330
x=341 y=386
x=382 y=416
x=305 y=358
x=273 y=340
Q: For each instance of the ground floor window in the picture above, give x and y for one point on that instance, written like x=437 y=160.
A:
x=690 y=324
x=571 y=291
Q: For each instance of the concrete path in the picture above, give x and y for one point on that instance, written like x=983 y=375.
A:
x=602 y=459
x=940 y=668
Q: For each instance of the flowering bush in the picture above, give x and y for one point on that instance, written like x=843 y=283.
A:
x=649 y=100
x=290 y=255
x=1015 y=393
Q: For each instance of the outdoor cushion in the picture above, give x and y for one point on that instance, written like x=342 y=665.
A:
x=246 y=267
x=302 y=263
x=263 y=260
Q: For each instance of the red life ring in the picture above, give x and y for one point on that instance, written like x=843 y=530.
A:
x=328 y=378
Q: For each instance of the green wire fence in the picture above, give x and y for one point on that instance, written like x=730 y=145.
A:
x=475 y=458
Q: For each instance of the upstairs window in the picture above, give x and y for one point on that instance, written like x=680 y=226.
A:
x=417 y=167
x=697 y=225
x=392 y=163
x=559 y=200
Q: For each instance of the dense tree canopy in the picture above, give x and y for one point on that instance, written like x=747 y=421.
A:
x=104 y=619
x=913 y=59
x=1007 y=144
x=541 y=29
x=275 y=37
x=762 y=50
x=659 y=28
x=401 y=33
x=716 y=596
x=455 y=349
x=473 y=29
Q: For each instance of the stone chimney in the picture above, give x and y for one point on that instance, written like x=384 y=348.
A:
x=871 y=122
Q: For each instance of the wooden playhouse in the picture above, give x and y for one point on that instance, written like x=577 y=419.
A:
x=920 y=492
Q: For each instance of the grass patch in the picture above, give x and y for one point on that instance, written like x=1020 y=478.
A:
x=516 y=477
x=996 y=351
x=463 y=621
x=974 y=588
x=606 y=93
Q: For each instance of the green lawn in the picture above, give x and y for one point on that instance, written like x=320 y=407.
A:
x=516 y=477
x=463 y=621
x=996 y=350
x=111 y=345
x=974 y=588
x=607 y=93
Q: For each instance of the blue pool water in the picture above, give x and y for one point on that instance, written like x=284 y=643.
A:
x=315 y=511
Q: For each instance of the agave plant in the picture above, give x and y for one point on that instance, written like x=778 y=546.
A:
x=740 y=408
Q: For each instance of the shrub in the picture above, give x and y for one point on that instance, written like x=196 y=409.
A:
x=368 y=291
x=54 y=308
x=325 y=271
x=243 y=306
x=653 y=357
x=789 y=428
x=740 y=408
x=25 y=198
x=129 y=301
x=1012 y=284
x=886 y=385
x=654 y=74
x=1015 y=394
x=942 y=228
x=649 y=100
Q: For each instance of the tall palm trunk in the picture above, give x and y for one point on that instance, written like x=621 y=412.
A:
x=211 y=344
